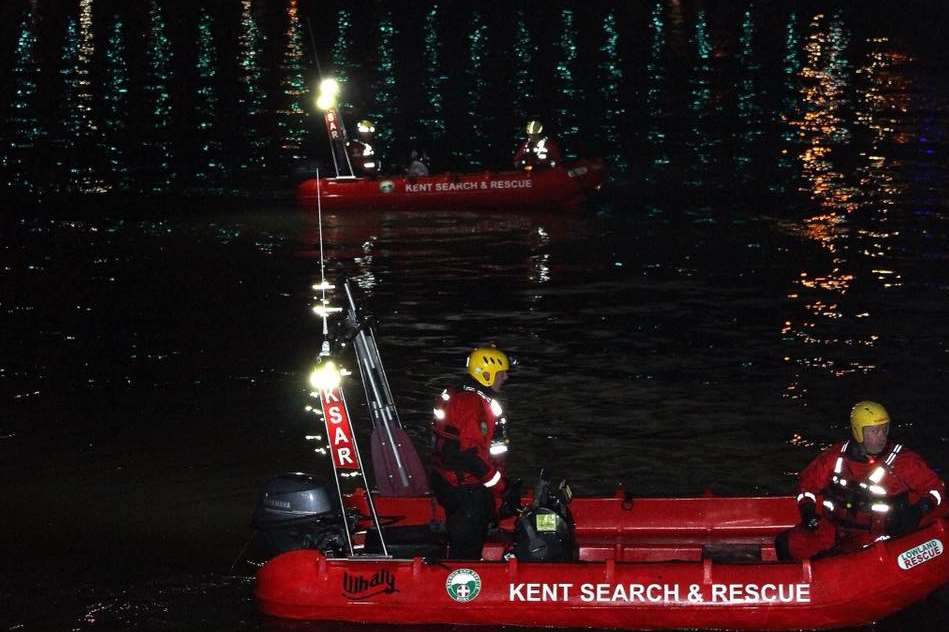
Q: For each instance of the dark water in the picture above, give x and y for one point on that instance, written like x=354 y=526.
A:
x=779 y=252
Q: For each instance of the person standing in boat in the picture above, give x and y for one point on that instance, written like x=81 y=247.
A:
x=361 y=153
x=470 y=439
x=537 y=151
x=860 y=490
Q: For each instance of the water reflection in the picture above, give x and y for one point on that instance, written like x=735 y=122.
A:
x=251 y=98
x=787 y=146
x=881 y=107
x=19 y=152
x=86 y=178
x=384 y=107
x=433 y=116
x=291 y=115
x=749 y=112
x=115 y=110
x=78 y=129
x=569 y=99
x=586 y=74
x=838 y=302
x=610 y=79
x=701 y=141
x=210 y=168
x=470 y=154
x=524 y=84
x=342 y=65
x=655 y=70
x=540 y=261
x=819 y=292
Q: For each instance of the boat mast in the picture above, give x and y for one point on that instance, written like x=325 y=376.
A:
x=327 y=382
x=326 y=102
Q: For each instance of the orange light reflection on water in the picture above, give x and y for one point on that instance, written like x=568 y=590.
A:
x=852 y=203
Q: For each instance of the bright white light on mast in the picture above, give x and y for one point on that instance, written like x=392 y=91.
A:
x=325 y=377
x=328 y=91
x=329 y=86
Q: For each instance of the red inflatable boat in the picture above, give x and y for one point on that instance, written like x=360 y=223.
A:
x=647 y=563
x=563 y=187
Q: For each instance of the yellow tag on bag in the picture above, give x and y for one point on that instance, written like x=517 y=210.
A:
x=546 y=522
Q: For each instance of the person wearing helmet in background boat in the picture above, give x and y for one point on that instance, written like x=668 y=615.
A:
x=470 y=441
x=860 y=490
x=362 y=156
x=537 y=151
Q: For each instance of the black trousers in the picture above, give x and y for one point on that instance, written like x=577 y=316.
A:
x=468 y=510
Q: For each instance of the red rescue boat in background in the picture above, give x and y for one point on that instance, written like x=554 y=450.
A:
x=566 y=186
x=649 y=563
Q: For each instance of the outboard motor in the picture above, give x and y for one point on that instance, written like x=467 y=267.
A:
x=544 y=531
x=298 y=511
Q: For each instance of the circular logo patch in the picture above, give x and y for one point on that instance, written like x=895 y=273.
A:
x=463 y=585
x=387 y=186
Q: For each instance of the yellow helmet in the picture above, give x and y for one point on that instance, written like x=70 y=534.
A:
x=866 y=414
x=534 y=127
x=485 y=362
x=365 y=126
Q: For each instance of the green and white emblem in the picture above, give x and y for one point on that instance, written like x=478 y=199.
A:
x=463 y=585
x=387 y=186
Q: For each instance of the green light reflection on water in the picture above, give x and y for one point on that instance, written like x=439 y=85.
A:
x=610 y=79
x=655 y=136
x=569 y=100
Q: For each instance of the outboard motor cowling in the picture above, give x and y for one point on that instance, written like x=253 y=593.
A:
x=297 y=511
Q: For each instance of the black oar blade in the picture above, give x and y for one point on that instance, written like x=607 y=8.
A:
x=388 y=478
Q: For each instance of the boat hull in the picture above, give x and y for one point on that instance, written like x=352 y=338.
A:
x=563 y=187
x=618 y=583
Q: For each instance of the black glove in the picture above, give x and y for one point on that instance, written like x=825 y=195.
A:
x=905 y=517
x=511 y=499
x=809 y=518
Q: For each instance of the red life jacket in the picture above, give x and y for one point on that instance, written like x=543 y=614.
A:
x=465 y=420
x=537 y=153
x=861 y=494
x=363 y=157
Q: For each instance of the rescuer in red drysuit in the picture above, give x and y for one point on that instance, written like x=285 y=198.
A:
x=537 y=151
x=469 y=442
x=361 y=154
x=860 y=490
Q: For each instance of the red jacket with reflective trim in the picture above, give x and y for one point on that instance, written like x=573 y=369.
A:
x=362 y=157
x=463 y=431
x=907 y=473
x=525 y=153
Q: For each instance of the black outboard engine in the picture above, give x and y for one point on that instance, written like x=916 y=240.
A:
x=544 y=531
x=298 y=511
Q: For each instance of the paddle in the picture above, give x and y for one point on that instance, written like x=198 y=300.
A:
x=395 y=463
